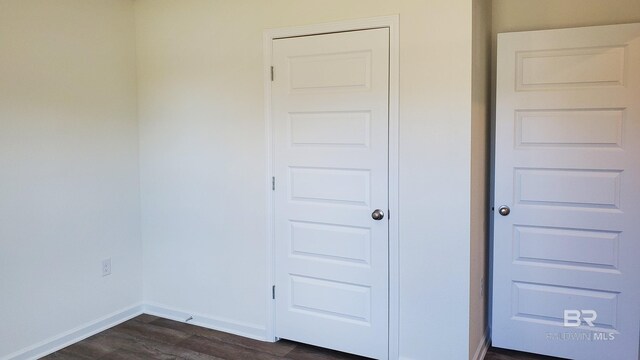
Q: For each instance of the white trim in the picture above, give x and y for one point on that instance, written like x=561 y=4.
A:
x=248 y=330
x=72 y=336
x=483 y=346
x=267 y=39
x=394 y=187
x=393 y=23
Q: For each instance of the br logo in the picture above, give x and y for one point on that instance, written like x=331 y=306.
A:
x=574 y=318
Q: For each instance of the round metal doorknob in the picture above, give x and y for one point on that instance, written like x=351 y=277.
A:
x=377 y=214
x=504 y=210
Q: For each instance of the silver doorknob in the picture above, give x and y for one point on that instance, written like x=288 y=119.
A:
x=377 y=214
x=504 y=210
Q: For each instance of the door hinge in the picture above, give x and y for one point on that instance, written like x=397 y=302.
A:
x=273 y=183
x=273 y=292
x=272 y=73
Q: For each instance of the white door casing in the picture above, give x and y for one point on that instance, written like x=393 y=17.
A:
x=567 y=163
x=330 y=106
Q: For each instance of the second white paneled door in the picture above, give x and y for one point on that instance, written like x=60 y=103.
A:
x=566 y=278
x=330 y=99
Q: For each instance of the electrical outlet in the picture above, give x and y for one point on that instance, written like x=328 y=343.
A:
x=106 y=267
x=482 y=287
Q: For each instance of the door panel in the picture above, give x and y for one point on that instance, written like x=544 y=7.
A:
x=330 y=111
x=568 y=167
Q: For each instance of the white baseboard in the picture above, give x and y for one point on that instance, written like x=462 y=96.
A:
x=248 y=330
x=72 y=336
x=483 y=346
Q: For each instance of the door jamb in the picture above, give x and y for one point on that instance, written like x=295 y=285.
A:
x=392 y=22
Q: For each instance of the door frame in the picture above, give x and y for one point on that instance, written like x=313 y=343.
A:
x=392 y=22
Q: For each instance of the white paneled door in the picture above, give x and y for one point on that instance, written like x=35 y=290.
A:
x=330 y=112
x=566 y=275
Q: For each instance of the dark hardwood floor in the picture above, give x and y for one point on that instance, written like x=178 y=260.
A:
x=502 y=354
x=150 y=337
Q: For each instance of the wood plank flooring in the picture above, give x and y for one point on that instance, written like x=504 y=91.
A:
x=150 y=337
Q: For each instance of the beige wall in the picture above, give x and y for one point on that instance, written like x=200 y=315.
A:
x=480 y=126
x=69 y=185
x=203 y=166
x=523 y=15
